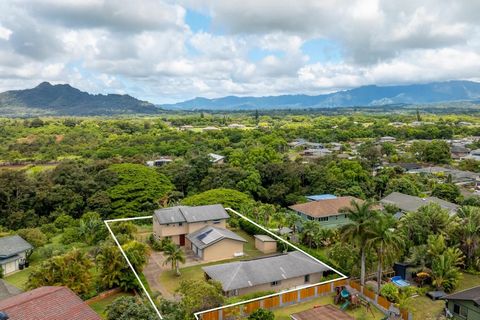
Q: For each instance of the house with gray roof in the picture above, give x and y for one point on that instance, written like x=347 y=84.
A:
x=464 y=305
x=13 y=253
x=211 y=243
x=177 y=222
x=278 y=272
x=407 y=203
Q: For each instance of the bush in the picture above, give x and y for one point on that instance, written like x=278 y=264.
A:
x=34 y=236
x=154 y=243
x=262 y=314
x=390 y=292
x=250 y=228
x=70 y=235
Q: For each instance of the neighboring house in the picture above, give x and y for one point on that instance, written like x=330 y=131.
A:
x=326 y=312
x=464 y=305
x=330 y=212
x=387 y=139
x=474 y=155
x=408 y=203
x=159 y=162
x=13 y=253
x=7 y=290
x=407 y=166
x=213 y=244
x=210 y=128
x=459 y=177
x=47 y=303
x=316 y=153
x=459 y=151
x=305 y=144
x=272 y=273
x=177 y=222
x=265 y=244
x=216 y=158
x=186 y=127
x=236 y=126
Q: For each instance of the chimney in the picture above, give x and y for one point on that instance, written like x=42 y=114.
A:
x=4 y=315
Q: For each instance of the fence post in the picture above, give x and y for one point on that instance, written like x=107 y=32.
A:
x=220 y=314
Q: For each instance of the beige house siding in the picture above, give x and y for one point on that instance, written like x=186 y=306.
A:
x=266 y=246
x=284 y=285
x=222 y=250
x=192 y=227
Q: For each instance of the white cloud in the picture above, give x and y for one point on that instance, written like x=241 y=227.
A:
x=146 y=48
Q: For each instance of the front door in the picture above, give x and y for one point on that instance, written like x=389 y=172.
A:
x=182 y=240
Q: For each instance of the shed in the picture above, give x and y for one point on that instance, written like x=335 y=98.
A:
x=265 y=244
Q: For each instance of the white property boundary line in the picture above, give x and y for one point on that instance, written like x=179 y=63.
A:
x=197 y=314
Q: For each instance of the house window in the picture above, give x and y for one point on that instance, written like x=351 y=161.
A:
x=323 y=219
x=234 y=293
x=216 y=221
x=307 y=278
x=275 y=283
x=460 y=310
x=180 y=224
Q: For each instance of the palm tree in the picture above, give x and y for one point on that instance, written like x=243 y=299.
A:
x=310 y=232
x=386 y=241
x=469 y=232
x=358 y=230
x=175 y=256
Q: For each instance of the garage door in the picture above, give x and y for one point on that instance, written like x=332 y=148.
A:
x=10 y=267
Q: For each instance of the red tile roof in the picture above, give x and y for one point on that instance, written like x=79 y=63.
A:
x=325 y=208
x=47 y=303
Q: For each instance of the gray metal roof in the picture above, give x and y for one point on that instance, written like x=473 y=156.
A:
x=472 y=294
x=210 y=235
x=12 y=245
x=264 y=238
x=7 y=290
x=411 y=203
x=191 y=214
x=249 y=273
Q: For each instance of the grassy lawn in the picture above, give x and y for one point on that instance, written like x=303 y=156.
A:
x=19 y=279
x=359 y=313
x=249 y=247
x=100 y=306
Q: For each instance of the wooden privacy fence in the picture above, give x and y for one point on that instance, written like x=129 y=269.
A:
x=300 y=295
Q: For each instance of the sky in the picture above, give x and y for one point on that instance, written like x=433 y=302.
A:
x=168 y=51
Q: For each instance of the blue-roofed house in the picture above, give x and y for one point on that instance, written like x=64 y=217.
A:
x=317 y=197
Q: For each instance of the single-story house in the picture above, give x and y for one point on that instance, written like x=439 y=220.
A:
x=387 y=139
x=459 y=151
x=316 y=153
x=326 y=312
x=216 y=158
x=236 y=126
x=7 y=290
x=265 y=244
x=330 y=212
x=159 y=162
x=47 y=303
x=464 y=305
x=13 y=253
x=177 y=222
x=277 y=273
x=408 y=203
x=459 y=177
x=213 y=244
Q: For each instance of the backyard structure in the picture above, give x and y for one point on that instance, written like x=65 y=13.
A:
x=277 y=273
x=177 y=222
x=329 y=212
x=47 y=303
x=13 y=253
x=326 y=312
x=265 y=244
x=212 y=244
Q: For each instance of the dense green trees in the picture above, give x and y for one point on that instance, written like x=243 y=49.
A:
x=128 y=308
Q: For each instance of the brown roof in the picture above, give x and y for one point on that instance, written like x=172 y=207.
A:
x=47 y=303
x=327 y=312
x=325 y=208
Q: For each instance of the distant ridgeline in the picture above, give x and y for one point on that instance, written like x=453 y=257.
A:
x=63 y=99
x=437 y=92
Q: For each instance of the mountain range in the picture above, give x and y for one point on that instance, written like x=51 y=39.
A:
x=371 y=95
x=63 y=99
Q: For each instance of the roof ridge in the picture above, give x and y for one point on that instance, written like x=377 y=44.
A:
x=32 y=297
